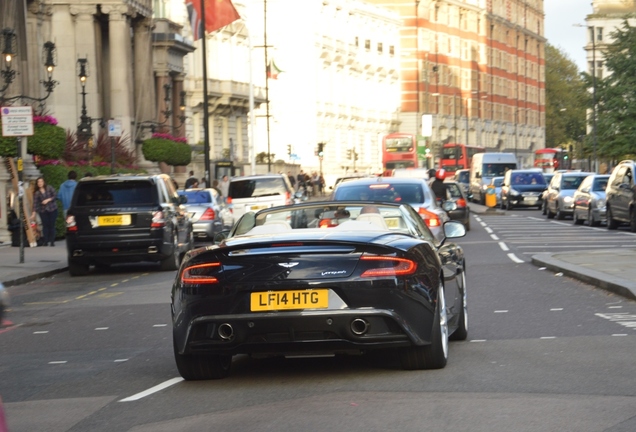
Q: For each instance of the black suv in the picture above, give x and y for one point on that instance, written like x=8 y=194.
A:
x=123 y=218
x=621 y=196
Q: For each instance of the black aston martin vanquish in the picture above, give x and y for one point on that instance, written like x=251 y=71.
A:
x=321 y=278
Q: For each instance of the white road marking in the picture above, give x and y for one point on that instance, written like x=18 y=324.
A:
x=515 y=259
x=619 y=334
x=478 y=340
x=477 y=218
x=488 y=230
x=503 y=246
x=562 y=223
x=535 y=218
x=58 y=362
x=160 y=325
x=547 y=337
x=501 y=311
x=483 y=224
x=556 y=309
x=40 y=332
x=614 y=307
x=101 y=328
x=152 y=390
x=121 y=360
x=494 y=237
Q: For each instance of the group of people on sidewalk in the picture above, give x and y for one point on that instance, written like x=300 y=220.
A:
x=312 y=185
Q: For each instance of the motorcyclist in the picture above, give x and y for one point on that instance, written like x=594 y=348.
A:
x=438 y=186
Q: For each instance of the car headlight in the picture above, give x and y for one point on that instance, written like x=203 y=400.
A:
x=567 y=199
x=600 y=203
x=514 y=192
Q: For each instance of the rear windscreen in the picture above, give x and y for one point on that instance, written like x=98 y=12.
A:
x=115 y=194
x=406 y=193
x=197 y=197
x=255 y=188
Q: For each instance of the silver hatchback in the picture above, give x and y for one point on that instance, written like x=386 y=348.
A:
x=589 y=200
x=559 y=199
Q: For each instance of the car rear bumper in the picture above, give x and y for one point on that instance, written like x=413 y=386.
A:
x=117 y=251
x=206 y=230
x=293 y=332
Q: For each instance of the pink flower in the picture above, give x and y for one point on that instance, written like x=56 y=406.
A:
x=170 y=137
x=45 y=119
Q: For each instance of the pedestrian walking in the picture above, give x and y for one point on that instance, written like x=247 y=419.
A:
x=292 y=179
x=45 y=206
x=225 y=187
x=66 y=190
x=190 y=180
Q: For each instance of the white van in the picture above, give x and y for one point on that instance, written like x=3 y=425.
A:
x=484 y=167
x=420 y=173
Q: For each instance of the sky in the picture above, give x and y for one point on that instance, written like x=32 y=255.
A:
x=560 y=17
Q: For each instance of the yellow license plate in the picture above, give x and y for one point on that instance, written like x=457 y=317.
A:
x=113 y=220
x=285 y=300
x=257 y=207
x=392 y=222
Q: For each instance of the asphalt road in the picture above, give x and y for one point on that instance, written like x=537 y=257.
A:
x=545 y=353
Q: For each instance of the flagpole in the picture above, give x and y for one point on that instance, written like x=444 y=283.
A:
x=206 y=127
x=269 y=154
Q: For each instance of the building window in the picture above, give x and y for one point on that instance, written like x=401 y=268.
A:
x=357 y=42
x=367 y=44
x=391 y=50
x=599 y=34
x=380 y=47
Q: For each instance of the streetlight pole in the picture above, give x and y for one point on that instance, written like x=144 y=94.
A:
x=593 y=34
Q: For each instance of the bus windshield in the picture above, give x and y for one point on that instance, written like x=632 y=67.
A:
x=404 y=144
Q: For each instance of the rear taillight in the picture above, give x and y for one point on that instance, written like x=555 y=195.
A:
x=461 y=202
x=430 y=219
x=388 y=266
x=228 y=200
x=288 y=199
x=157 y=220
x=208 y=215
x=328 y=223
x=201 y=274
x=71 y=225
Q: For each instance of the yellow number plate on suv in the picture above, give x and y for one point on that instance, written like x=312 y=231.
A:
x=113 y=220
x=284 y=300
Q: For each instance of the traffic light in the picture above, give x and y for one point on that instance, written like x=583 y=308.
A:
x=289 y=149
x=349 y=154
x=321 y=149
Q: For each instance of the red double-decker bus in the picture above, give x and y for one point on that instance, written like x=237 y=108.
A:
x=399 y=150
x=458 y=156
x=549 y=159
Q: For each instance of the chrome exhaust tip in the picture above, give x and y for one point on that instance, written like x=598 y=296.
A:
x=226 y=332
x=359 y=326
x=152 y=249
x=78 y=252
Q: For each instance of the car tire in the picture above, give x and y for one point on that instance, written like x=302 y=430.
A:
x=434 y=355
x=174 y=259
x=197 y=367
x=462 y=325
x=77 y=269
x=548 y=213
x=576 y=219
x=590 y=219
x=508 y=204
x=612 y=224
x=559 y=214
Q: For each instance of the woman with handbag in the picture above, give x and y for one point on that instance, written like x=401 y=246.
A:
x=44 y=205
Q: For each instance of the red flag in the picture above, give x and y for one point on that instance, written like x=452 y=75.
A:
x=218 y=14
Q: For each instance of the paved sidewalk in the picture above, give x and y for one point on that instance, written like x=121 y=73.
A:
x=613 y=270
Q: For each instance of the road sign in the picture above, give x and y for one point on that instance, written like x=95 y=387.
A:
x=17 y=121
x=114 y=128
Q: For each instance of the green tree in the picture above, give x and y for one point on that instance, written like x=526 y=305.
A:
x=566 y=99
x=616 y=97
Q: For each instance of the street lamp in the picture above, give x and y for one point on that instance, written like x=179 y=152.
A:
x=84 y=129
x=8 y=73
x=592 y=32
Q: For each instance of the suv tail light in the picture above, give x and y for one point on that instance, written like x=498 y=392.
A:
x=288 y=200
x=208 y=215
x=71 y=225
x=461 y=203
x=157 y=220
x=430 y=219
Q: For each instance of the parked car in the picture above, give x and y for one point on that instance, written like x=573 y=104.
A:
x=257 y=192
x=621 y=196
x=321 y=278
x=462 y=177
x=413 y=191
x=456 y=204
x=207 y=212
x=559 y=200
x=522 y=188
x=4 y=302
x=123 y=218
x=589 y=200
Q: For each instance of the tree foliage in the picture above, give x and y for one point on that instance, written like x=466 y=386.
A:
x=566 y=99
x=616 y=97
